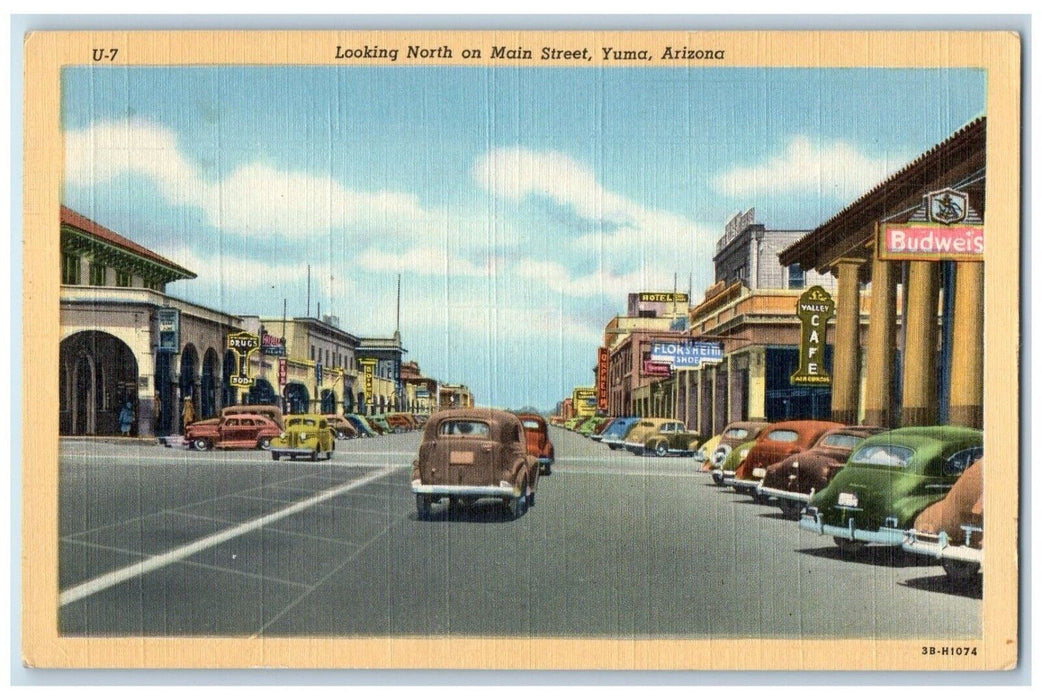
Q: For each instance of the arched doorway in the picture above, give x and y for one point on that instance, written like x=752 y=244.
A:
x=297 y=398
x=208 y=385
x=349 y=401
x=188 y=384
x=360 y=405
x=328 y=402
x=98 y=375
x=261 y=393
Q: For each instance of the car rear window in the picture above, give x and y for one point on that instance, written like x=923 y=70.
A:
x=958 y=462
x=841 y=440
x=783 y=435
x=464 y=428
x=736 y=433
x=883 y=455
x=531 y=425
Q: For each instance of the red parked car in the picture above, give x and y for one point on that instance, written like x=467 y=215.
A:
x=241 y=430
x=795 y=479
x=538 y=439
x=777 y=442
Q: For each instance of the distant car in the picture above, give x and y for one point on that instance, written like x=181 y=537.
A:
x=598 y=433
x=235 y=431
x=573 y=423
x=379 y=424
x=362 y=426
x=792 y=481
x=615 y=434
x=590 y=426
x=890 y=479
x=661 y=437
x=469 y=454
x=342 y=427
x=952 y=530
x=775 y=443
x=733 y=435
x=401 y=422
x=730 y=465
x=306 y=435
x=538 y=440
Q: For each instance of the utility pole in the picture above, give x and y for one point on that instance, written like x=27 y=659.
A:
x=309 y=292
x=398 y=310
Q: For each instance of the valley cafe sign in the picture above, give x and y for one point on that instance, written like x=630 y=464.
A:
x=944 y=227
x=814 y=309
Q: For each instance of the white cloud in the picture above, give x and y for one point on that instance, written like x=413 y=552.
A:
x=254 y=199
x=423 y=261
x=836 y=169
x=638 y=245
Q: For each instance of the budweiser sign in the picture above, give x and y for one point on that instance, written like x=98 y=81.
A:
x=932 y=242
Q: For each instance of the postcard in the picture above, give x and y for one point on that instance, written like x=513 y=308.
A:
x=640 y=350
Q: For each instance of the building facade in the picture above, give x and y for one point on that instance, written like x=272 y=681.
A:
x=123 y=340
x=929 y=369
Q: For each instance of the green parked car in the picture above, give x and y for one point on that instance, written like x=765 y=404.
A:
x=889 y=480
x=731 y=462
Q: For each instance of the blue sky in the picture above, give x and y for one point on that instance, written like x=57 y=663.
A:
x=520 y=205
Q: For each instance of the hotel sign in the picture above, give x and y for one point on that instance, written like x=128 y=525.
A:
x=814 y=309
x=368 y=366
x=663 y=297
x=945 y=227
x=243 y=345
x=169 y=330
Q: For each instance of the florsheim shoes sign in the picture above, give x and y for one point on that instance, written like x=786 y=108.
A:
x=944 y=227
x=814 y=309
x=685 y=353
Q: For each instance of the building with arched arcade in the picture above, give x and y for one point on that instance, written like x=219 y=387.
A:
x=124 y=340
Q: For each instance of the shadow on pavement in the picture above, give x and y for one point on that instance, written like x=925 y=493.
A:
x=893 y=557
x=972 y=587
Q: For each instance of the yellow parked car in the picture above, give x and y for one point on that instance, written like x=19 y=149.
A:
x=306 y=435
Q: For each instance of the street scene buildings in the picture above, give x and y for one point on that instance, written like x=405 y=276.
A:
x=884 y=372
x=508 y=353
x=125 y=341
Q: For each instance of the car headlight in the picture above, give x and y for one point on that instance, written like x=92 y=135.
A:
x=283 y=436
x=303 y=436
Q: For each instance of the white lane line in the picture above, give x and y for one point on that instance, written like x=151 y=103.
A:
x=114 y=578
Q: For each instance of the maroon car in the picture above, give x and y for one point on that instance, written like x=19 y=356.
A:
x=796 y=478
x=778 y=441
x=538 y=439
x=239 y=430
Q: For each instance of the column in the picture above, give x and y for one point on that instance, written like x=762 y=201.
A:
x=967 y=390
x=882 y=334
x=846 y=343
x=757 y=384
x=920 y=364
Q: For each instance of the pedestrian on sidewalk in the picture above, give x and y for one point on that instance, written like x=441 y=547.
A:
x=126 y=419
x=188 y=412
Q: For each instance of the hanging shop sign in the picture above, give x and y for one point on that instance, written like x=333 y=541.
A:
x=243 y=344
x=686 y=353
x=283 y=372
x=602 y=379
x=368 y=368
x=651 y=368
x=169 y=330
x=814 y=309
x=944 y=227
x=272 y=345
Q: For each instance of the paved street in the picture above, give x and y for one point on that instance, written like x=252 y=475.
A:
x=156 y=541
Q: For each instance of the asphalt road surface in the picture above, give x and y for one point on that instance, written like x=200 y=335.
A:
x=158 y=541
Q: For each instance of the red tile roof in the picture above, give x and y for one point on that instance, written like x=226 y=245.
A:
x=82 y=223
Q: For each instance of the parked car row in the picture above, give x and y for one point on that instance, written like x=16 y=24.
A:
x=259 y=426
x=918 y=488
x=471 y=454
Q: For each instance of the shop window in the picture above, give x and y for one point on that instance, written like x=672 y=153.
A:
x=70 y=268
x=797 y=277
x=124 y=278
x=97 y=275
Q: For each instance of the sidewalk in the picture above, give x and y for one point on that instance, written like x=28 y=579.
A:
x=166 y=441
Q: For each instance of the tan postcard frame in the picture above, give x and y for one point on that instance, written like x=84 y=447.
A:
x=45 y=53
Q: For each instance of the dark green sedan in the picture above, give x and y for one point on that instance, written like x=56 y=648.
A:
x=888 y=481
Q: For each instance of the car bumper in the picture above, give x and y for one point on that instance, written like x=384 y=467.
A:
x=749 y=485
x=508 y=491
x=545 y=461
x=636 y=448
x=811 y=522
x=940 y=546
x=293 y=451
x=720 y=476
x=794 y=496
